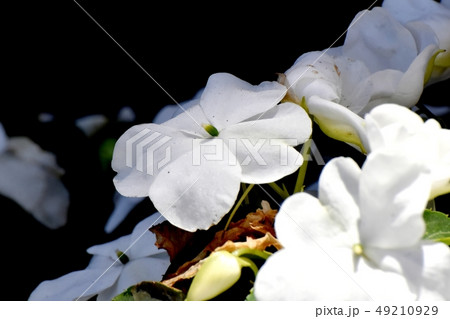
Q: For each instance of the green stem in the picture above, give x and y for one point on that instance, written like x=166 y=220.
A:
x=254 y=252
x=244 y=195
x=244 y=188
x=282 y=192
x=299 y=185
x=246 y=262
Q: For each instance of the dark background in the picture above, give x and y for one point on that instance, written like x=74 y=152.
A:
x=60 y=62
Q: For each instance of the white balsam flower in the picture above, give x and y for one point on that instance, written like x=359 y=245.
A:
x=192 y=166
x=114 y=267
x=379 y=62
x=360 y=239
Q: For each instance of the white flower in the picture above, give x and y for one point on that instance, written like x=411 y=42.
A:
x=429 y=22
x=234 y=133
x=106 y=275
x=395 y=129
x=378 y=63
x=31 y=177
x=360 y=240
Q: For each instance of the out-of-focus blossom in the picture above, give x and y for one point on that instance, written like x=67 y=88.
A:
x=30 y=176
x=114 y=267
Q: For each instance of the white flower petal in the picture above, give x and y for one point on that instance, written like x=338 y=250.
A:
x=193 y=196
x=265 y=160
x=429 y=12
x=142 y=241
x=141 y=152
x=111 y=248
x=228 y=100
x=3 y=139
x=81 y=284
x=91 y=124
x=393 y=195
x=189 y=120
x=380 y=284
x=302 y=220
x=307 y=273
x=380 y=41
x=314 y=73
x=122 y=207
x=36 y=189
x=423 y=266
x=134 y=272
x=263 y=146
x=390 y=124
x=338 y=122
x=286 y=121
x=338 y=192
x=352 y=76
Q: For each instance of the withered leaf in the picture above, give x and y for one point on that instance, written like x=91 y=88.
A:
x=255 y=225
x=259 y=244
x=171 y=238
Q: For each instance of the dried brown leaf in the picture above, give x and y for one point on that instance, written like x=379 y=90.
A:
x=259 y=244
x=171 y=238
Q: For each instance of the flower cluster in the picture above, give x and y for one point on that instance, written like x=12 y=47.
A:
x=363 y=237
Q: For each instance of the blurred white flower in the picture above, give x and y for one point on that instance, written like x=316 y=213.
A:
x=236 y=133
x=31 y=177
x=378 y=63
x=114 y=267
x=360 y=240
x=91 y=124
x=397 y=130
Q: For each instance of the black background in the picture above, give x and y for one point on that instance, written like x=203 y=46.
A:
x=58 y=60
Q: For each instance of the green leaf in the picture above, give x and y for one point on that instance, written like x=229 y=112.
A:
x=150 y=291
x=251 y=296
x=127 y=295
x=105 y=152
x=437 y=226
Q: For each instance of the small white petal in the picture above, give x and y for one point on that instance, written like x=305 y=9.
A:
x=302 y=220
x=228 y=100
x=141 y=152
x=111 y=248
x=142 y=241
x=91 y=124
x=307 y=274
x=122 y=207
x=338 y=122
x=338 y=192
x=33 y=187
x=134 y=272
x=81 y=284
x=380 y=41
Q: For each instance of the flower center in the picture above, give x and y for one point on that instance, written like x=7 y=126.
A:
x=210 y=129
x=358 y=249
x=122 y=257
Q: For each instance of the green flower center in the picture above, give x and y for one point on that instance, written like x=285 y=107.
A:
x=211 y=129
x=122 y=257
